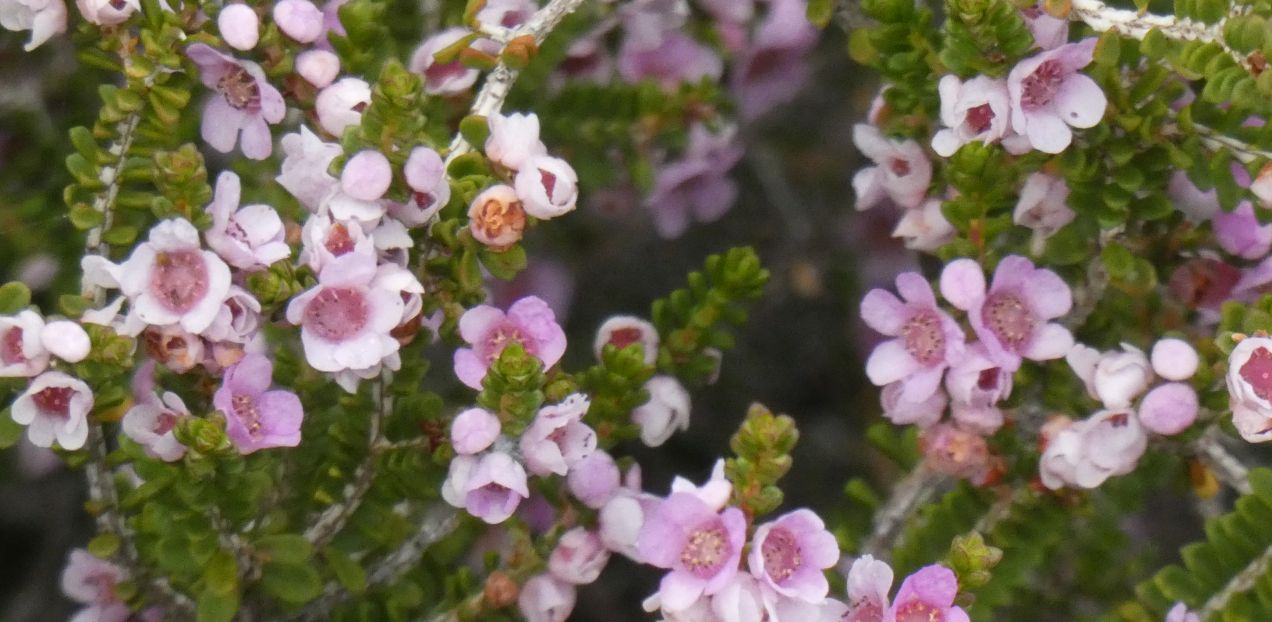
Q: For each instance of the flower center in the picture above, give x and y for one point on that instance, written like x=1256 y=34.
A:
x=337 y=313
x=245 y=409
x=979 y=118
x=423 y=199
x=1041 y=86
x=923 y=337
x=781 y=554
x=549 y=182
x=338 y=240
x=164 y=423
x=495 y=218
x=1009 y=319
x=500 y=338
x=54 y=401
x=988 y=379
x=179 y=279
x=624 y=337
x=240 y=89
x=118 y=5
x=439 y=72
x=11 y=347
x=899 y=167
x=865 y=611
x=706 y=549
x=1258 y=372
x=919 y=612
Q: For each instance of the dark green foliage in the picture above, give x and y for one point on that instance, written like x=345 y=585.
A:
x=984 y=37
x=928 y=535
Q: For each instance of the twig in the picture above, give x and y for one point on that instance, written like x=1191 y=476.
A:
x=1224 y=465
x=1244 y=581
x=907 y=496
x=1243 y=151
x=1102 y=17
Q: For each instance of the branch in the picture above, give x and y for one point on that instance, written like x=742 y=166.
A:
x=1243 y=151
x=1102 y=17
x=910 y=493
x=1224 y=465
x=1244 y=581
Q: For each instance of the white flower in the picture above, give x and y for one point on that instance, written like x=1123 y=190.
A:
x=55 y=407
x=666 y=411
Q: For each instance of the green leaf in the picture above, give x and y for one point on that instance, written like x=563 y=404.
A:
x=291 y=583
x=216 y=607
x=10 y=430
x=104 y=545
x=83 y=216
x=123 y=235
x=820 y=12
x=14 y=297
x=504 y=264
x=221 y=574
x=287 y=548
x=475 y=129
x=349 y=573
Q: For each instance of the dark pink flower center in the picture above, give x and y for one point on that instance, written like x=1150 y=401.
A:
x=245 y=409
x=338 y=240
x=118 y=5
x=923 y=337
x=164 y=423
x=781 y=554
x=549 y=182
x=1258 y=372
x=439 y=72
x=980 y=118
x=1038 y=89
x=499 y=338
x=1009 y=319
x=988 y=379
x=11 y=347
x=54 y=401
x=240 y=89
x=918 y=611
x=865 y=611
x=423 y=199
x=706 y=549
x=899 y=166
x=179 y=279
x=337 y=313
x=624 y=337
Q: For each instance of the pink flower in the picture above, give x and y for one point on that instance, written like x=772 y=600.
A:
x=697 y=186
x=1250 y=388
x=928 y=594
x=22 y=351
x=366 y=175
x=430 y=189
x=926 y=342
x=304 y=170
x=956 y=452
x=545 y=599
x=558 y=439
x=1240 y=233
x=902 y=172
x=238 y=320
x=900 y=411
x=1180 y=613
x=1115 y=378
x=924 y=228
x=150 y=422
x=1174 y=359
x=318 y=67
x=547 y=187
x=474 y=430
x=1169 y=408
x=54 y=407
x=772 y=69
x=1048 y=32
x=44 y=18
x=976 y=110
x=666 y=412
x=506 y=13
x=868 y=583
x=323 y=241
x=976 y=385
x=621 y=518
x=1043 y=205
x=529 y=322
x=250 y=238
x=1088 y=452
x=579 y=557
x=1198 y=206
x=340 y=105
x=255 y=417
x=791 y=553
x=1048 y=95
x=106 y=12
x=514 y=139
x=699 y=546
x=442 y=79
x=299 y=19
x=1011 y=317
x=490 y=486
x=91 y=581
x=169 y=279
x=497 y=217
x=246 y=102
x=66 y=340
x=676 y=59
x=239 y=26
x=624 y=330
x=174 y=347
x=346 y=318
x=594 y=480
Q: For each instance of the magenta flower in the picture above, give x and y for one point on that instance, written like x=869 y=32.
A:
x=529 y=322
x=54 y=407
x=255 y=417
x=22 y=351
x=1240 y=233
x=676 y=59
x=902 y=172
x=1048 y=96
x=250 y=238
x=247 y=103
x=474 y=430
x=928 y=595
x=697 y=186
x=1043 y=205
x=558 y=439
x=579 y=557
x=976 y=110
x=868 y=583
x=490 y=486
x=1250 y=388
x=545 y=599
x=514 y=139
x=790 y=555
x=926 y=339
x=1010 y=318
x=772 y=69
x=699 y=546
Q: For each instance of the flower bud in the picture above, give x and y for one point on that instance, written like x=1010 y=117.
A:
x=1121 y=376
x=548 y=187
x=594 y=479
x=367 y=175
x=624 y=330
x=666 y=411
x=239 y=26
x=66 y=340
x=1169 y=409
x=318 y=67
x=579 y=557
x=1174 y=359
x=473 y=431
x=341 y=104
x=299 y=19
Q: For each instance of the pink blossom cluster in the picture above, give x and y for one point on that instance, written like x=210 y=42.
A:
x=1110 y=442
x=928 y=367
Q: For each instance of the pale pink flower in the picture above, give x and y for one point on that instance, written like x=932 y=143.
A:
x=869 y=581
x=304 y=169
x=239 y=26
x=239 y=319
x=318 y=67
x=64 y=339
x=91 y=581
x=1048 y=96
x=529 y=322
x=506 y=13
x=514 y=139
x=1180 y=613
x=624 y=330
x=22 y=351
x=678 y=58
x=442 y=78
x=902 y=172
x=1011 y=317
x=976 y=110
x=901 y=411
x=1043 y=205
x=699 y=545
x=545 y=599
x=772 y=69
x=594 y=480
x=697 y=186
x=340 y=105
x=791 y=553
x=496 y=217
x=976 y=385
x=366 y=175
x=54 y=407
x=558 y=439
x=169 y=279
x=174 y=347
x=255 y=416
x=1174 y=359
x=248 y=238
x=245 y=102
x=1088 y=452
x=108 y=12
x=1250 y=388
x=1198 y=206
x=928 y=594
x=579 y=557
x=150 y=422
x=926 y=339
x=1239 y=232
x=1048 y=32
x=324 y=240
x=1169 y=408
x=1115 y=377
x=954 y=451
x=924 y=228
x=474 y=430
x=494 y=486
x=44 y=18
x=430 y=189
x=299 y=19
x=548 y=187
x=666 y=412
